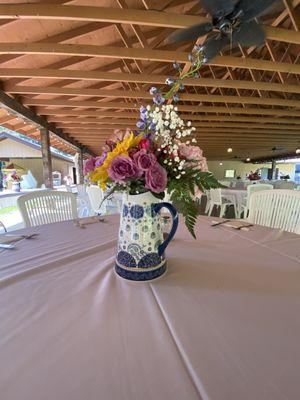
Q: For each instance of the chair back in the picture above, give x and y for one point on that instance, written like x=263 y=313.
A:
x=216 y=196
x=46 y=207
x=286 y=185
x=96 y=196
x=276 y=209
x=226 y=183
x=256 y=188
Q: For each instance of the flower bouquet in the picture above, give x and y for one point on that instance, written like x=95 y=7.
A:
x=162 y=157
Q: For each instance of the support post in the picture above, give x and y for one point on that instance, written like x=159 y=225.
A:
x=273 y=170
x=79 y=167
x=47 y=159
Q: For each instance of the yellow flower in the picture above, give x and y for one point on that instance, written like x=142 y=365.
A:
x=100 y=174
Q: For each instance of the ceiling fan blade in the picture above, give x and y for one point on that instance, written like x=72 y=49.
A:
x=213 y=46
x=253 y=8
x=249 y=34
x=218 y=8
x=191 y=33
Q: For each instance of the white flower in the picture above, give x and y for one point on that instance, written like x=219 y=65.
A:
x=189 y=123
x=194 y=140
x=148 y=108
x=176 y=159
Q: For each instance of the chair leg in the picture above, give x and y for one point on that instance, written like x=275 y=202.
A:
x=207 y=207
x=235 y=213
x=210 y=209
x=222 y=209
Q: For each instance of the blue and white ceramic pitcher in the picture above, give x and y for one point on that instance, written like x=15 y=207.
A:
x=141 y=246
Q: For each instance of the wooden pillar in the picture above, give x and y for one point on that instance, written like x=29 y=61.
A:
x=79 y=167
x=273 y=170
x=47 y=159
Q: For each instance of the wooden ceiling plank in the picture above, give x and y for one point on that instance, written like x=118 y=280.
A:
x=144 y=78
x=141 y=54
x=147 y=96
x=294 y=16
x=187 y=108
x=126 y=16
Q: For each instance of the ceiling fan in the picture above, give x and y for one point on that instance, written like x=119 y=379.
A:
x=232 y=22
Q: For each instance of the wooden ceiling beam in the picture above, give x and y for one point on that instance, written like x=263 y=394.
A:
x=84 y=50
x=293 y=14
x=29 y=116
x=123 y=16
x=122 y=94
x=192 y=109
x=203 y=125
x=186 y=108
x=114 y=117
x=143 y=78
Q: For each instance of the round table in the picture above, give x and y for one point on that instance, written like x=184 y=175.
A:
x=237 y=195
x=221 y=324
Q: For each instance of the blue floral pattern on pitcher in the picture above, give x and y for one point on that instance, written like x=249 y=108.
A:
x=140 y=254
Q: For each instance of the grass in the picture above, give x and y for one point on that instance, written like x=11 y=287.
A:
x=7 y=210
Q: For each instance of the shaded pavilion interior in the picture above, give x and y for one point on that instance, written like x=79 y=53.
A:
x=78 y=70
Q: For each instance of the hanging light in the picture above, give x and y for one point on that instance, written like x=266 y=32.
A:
x=298 y=150
x=248 y=159
x=229 y=150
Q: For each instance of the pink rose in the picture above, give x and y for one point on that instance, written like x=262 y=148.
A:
x=122 y=168
x=190 y=152
x=156 y=178
x=145 y=144
x=88 y=166
x=144 y=160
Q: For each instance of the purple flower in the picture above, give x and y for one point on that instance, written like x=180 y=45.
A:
x=141 y=124
x=88 y=166
x=100 y=160
x=143 y=110
x=144 y=160
x=176 y=98
x=156 y=178
x=170 y=81
x=176 y=65
x=159 y=99
x=198 y=48
x=153 y=91
x=181 y=87
x=191 y=57
x=122 y=168
x=152 y=126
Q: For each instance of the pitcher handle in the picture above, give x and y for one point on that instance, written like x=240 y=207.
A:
x=173 y=211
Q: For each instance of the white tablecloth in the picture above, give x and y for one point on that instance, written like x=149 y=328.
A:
x=222 y=324
x=239 y=195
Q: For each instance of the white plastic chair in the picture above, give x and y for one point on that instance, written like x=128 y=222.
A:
x=250 y=190
x=83 y=202
x=46 y=207
x=276 y=209
x=216 y=199
x=2 y=226
x=96 y=196
x=286 y=185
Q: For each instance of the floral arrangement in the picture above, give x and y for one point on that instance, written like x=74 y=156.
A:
x=13 y=177
x=254 y=176
x=161 y=157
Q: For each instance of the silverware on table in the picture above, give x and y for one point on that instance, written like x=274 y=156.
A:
x=220 y=223
x=29 y=236
x=82 y=224
x=7 y=246
x=244 y=226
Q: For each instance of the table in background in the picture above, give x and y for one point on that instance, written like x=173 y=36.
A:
x=239 y=196
x=221 y=324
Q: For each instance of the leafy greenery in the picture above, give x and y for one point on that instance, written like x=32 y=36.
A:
x=182 y=194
